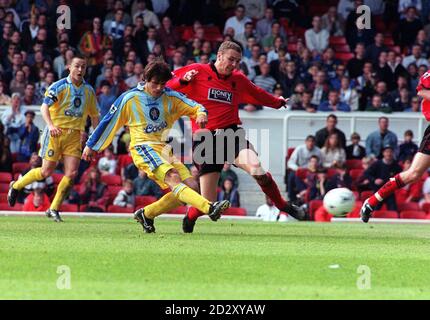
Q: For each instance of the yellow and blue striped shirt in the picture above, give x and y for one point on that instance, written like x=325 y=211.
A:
x=69 y=105
x=148 y=118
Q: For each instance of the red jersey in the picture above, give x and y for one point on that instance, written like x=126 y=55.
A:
x=221 y=95
x=424 y=83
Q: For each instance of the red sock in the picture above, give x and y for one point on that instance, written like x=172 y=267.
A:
x=272 y=191
x=194 y=213
x=386 y=190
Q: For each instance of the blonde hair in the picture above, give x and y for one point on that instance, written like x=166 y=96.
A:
x=226 y=45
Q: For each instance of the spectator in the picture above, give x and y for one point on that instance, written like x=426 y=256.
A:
x=93 y=192
x=167 y=34
x=356 y=64
x=316 y=37
x=30 y=97
x=411 y=192
x=332 y=152
x=125 y=197
x=408 y=148
x=130 y=172
x=18 y=83
x=277 y=50
x=105 y=99
x=93 y=44
x=305 y=104
x=380 y=138
x=344 y=7
x=341 y=179
x=249 y=32
x=227 y=173
x=302 y=186
x=402 y=101
x=322 y=134
x=268 y=211
x=423 y=42
x=5 y=155
x=288 y=77
x=12 y=119
x=118 y=5
x=377 y=106
x=36 y=201
x=268 y=41
x=264 y=25
x=147 y=47
x=355 y=35
x=339 y=73
x=115 y=28
x=4 y=98
x=320 y=88
x=118 y=85
x=47 y=184
x=381 y=171
x=123 y=141
x=264 y=80
x=150 y=19
x=333 y=103
x=363 y=181
x=254 y=8
x=238 y=21
x=348 y=95
x=317 y=184
x=333 y=22
x=300 y=159
x=355 y=150
x=229 y=192
x=415 y=57
x=29 y=135
x=374 y=50
x=107 y=164
x=143 y=186
x=396 y=69
x=408 y=27
x=415 y=105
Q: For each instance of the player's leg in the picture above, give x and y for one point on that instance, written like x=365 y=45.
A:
x=71 y=166
x=247 y=160
x=48 y=152
x=187 y=195
x=208 y=189
x=418 y=167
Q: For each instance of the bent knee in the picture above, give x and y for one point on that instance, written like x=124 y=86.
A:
x=172 y=176
x=413 y=175
x=46 y=172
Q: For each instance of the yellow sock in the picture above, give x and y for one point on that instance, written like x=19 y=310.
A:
x=29 y=177
x=63 y=188
x=163 y=205
x=189 y=196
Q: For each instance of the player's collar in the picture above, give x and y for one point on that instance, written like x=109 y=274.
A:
x=141 y=87
x=69 y=80
x=219 y=76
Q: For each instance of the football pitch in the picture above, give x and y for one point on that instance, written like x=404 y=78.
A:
x=111 y=258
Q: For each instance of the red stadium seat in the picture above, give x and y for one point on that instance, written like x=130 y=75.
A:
x=426 y=207
x=409 y=206
x=344 y=56
x=143 y=201
x=313 y=206
x=365 y=194
x=5 y=207
x=331 y=172
x=112 y=180
x=341 y=48
x=123 y=160
x=3 y=197
x=355 y=174
x=292 y=47
x=290 y=152
x=66 y=207
x=5 y=177
x=117 y=209
x=301 y=173
x=388 y=41
x=337 y=40
x=354 y=164
x=412 y=214
x=386 y=214
x=235 y=212
x=4 y=187
x=20 y=167
x=179 y=210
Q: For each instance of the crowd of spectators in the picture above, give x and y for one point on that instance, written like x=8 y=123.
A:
x=312 y=53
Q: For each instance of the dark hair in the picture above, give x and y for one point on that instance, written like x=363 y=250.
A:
x=409 y=133
x=157 y=69
x=333 y=116
x=105 y=83
x=309 y=137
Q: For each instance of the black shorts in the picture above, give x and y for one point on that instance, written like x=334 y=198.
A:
x=211 y=149
x=425 y=142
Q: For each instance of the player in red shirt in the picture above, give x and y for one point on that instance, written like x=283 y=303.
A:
x=420 y=163
x=220 y=87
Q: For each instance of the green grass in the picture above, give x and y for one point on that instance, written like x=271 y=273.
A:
x=112 y=259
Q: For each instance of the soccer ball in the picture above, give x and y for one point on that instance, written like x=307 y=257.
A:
x=339 y=201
